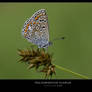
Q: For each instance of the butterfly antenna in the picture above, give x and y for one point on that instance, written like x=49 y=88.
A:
x=60 y=38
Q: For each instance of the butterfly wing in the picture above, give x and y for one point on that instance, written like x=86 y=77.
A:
x=36 y=28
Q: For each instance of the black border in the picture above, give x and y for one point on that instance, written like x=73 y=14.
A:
x=45 y=1
x=53 y=83
x=36 y=83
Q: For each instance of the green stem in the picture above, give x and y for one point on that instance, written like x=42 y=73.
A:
x=67 y=70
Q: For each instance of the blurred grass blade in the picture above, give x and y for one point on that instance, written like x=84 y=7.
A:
x=67 y=70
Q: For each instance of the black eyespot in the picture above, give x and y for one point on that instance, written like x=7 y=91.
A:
x=43 y=27
x=44 y=20
x=41 y=20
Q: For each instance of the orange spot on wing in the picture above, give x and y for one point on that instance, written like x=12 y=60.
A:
x=30 y=22
x=27 y=24
x=34 y=23
x=25 y=30
x=36 y=18
x=26 y=27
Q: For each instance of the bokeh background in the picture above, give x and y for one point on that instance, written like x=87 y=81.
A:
x=72 y=20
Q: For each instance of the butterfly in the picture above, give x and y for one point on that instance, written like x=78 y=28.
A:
x=36 y=29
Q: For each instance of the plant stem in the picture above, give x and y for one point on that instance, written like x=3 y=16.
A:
x=67 y=70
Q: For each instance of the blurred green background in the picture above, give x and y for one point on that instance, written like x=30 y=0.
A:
x=72 y=20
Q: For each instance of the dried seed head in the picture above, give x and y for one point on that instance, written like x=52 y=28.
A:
x=49 y=71
x=36 y=58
